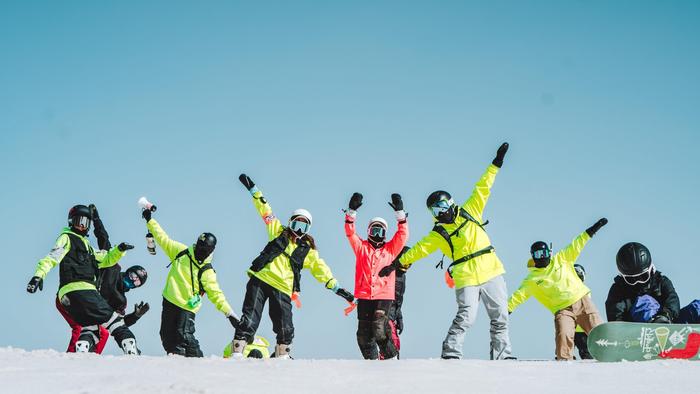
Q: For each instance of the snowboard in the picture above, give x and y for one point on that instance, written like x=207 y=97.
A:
x=621 y=341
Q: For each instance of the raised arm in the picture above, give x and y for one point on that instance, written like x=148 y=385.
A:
x=106 y=259
x=169 y=246
x=571 y=252
x=398 y=241
x=350 y=215
x=482 y=190
x=273 y=225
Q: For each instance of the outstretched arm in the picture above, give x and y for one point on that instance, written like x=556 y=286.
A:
x=476 y=203
x=353 y=238
x=422 y=248
x=169 y=246
x=214 y=292
x=99 y=229
x=273 y=225
x=571 y=252
x=521 y=295
x=55 y=256
x=319 y=269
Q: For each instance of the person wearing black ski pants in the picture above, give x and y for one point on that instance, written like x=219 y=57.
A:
x=177 y=331
x=373 y=329
x=280 y=310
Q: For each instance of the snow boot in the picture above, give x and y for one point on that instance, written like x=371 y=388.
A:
x=128 y=345
x=82 y=347
x=238 y=347
x=282 y=351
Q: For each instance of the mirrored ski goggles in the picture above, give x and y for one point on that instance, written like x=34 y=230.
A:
x=377 y=231
x=642 y=277
x=81 y=221
x=134 y=279
x=441 y=207
x=300 y=226
x=581 y=273
x=541 y=254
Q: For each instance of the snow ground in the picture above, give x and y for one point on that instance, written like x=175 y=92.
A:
x=48 y=371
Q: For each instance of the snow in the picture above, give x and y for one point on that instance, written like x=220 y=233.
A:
x=54 y=372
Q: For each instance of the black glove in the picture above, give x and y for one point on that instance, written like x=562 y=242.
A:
x=141 y=308
x=345 y=294
x=660 y=318
x=386 y=271
x=500 y=154
x=93 y=211
x=396 y=202
x=246 y=181
x=123 y=247
x=234 y=321
x=146 y=214
x=35 y=283
x=355 y=201
x=594 y=228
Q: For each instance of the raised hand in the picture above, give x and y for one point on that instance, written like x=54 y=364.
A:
x=500 y=154
x=597 y=226
x=123 y=247
x=34 y=284
x=396 y=202
x=355 y=201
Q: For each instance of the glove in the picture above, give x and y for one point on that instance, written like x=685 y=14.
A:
x=660 y=318
x=248 y=183
x=500 y=154
x=355 y=201
x=35 y=283
x=594 y=228
x=123 y=247
x=93 y=211
x=345 y=294
x=146 y=214
x=396 y=202
x=233 y=319
x=141 y=308
x=386 y=271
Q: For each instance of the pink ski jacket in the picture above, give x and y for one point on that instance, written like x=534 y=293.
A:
x=369 y=261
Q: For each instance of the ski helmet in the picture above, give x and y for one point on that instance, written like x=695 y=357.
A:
x=541 y=254
x=376 y=230
x=634 y=263
x=80 y=215
x=580 y=271
x=205 y=246
x=441 y=206
x=300 y=222
x=135 y=276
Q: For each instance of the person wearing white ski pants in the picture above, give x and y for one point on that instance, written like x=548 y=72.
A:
x=495 y=298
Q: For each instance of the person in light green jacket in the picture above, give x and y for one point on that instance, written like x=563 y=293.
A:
x=554 y=283
x=190 y=277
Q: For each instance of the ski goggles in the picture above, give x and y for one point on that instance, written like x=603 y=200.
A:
x=132 y=280
x=81 y=221
x=580 y=272
x=377 y=231
x=441 y=207
x=642 y=277
x=299 y=226
x=541 y=254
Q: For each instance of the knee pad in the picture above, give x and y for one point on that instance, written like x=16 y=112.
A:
x=365 y=332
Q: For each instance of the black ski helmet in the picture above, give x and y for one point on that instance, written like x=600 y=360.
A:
x=137 y=275
x=541 y=254
x=205 y=246
x=580 y=271
x=633 y=258
x=76 y=213
x=434 y=198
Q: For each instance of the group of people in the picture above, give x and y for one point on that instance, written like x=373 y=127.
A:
x=92 y=289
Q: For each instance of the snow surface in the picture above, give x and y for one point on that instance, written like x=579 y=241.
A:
x=48 y=371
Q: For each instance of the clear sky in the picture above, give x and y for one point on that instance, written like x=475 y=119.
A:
x=105 y=102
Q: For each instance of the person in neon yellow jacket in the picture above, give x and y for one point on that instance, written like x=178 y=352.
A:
x=78 y=264
x=554 y=283
x=191 y=276
x=275 y=275
x=476 y=271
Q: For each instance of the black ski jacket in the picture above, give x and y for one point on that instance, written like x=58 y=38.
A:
x=621 y=297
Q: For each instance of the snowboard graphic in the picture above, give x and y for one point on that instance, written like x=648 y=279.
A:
x=620 y=341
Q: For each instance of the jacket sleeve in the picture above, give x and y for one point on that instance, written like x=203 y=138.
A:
x=521 y=295
x=106 y=259
x=101 y=234
x=319 y=269
x=214 y=292
x=670 y=304
x=169 y=246
x=57 y=253
x=482 y=190
x=353 y=238
x=398 y=241
x=571 y=252
x=273 y=225
x=615 y=305
x=422 y=248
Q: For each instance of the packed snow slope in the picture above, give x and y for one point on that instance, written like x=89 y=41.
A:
x=48 y=371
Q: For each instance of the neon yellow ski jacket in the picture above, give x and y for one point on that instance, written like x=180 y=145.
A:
x=556 y=286
x=178 y=285
x=259 y=343
x=62 y=247
x=471 y=238
x=278 y=273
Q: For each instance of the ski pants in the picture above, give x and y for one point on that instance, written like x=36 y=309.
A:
x=257 y=293
x=177 y=331
x=582 y=312
x=581 y=343
x=494 y=296
x=77 y=328
x=88 y=309
x=375 y=329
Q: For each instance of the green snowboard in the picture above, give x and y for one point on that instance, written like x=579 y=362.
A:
x=620 y=341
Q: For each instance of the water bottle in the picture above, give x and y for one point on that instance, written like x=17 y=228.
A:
x=150 y=243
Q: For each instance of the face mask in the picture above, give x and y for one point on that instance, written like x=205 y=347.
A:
x=201 y=252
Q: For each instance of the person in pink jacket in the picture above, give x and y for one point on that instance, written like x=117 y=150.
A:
x=375 y=294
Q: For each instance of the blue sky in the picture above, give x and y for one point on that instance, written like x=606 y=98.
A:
x=105 y=102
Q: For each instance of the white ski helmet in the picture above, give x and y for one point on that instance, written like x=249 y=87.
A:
x=379 y=220
x=303 y=213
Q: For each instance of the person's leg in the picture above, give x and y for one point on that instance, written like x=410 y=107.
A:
x=75 y=327
x=382 y=330
x=365 y=333
x=168 y=326
x=253 y=305
x=395 y=338
x=104 y=336
x=588 y=316
x=191 y=344
x=564 y=328
x=467 y=304
x=280 y=309
x=581 y=342
x=494 y=296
